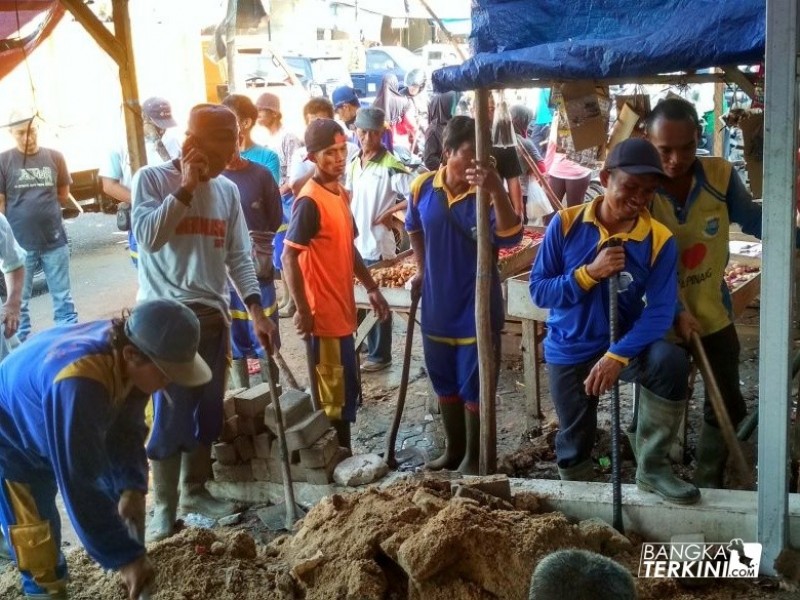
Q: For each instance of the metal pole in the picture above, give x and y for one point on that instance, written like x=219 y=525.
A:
x=616 y=457
x=774 y=376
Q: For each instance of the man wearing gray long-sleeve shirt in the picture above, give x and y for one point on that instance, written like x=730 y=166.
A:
x=192 y=235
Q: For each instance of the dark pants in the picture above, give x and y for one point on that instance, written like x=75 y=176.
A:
x=722 y=349
x=573 y=189
x=379 y=340
x=663 y=368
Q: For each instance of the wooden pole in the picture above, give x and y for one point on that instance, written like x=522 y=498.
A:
x=444 y=29
x=719 y=137
x=230 y=44
x=483 y=326
x=130 y=87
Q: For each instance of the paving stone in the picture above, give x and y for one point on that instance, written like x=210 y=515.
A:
x=275 y=452
x=225 y=453
x=244 y=448
x=324 y=475
x=262 y=444
x=296 y=470
x=251 y=425
x=229 y=402
x=260 y=468
x=230 y=429
x=295 y=407
x=252 y=401
x=307 y=431
x=232 y=473
x=320 y=452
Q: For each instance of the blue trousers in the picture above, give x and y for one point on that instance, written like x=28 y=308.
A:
x=663 y=368
x=244 y=343
x=184 y=418
x=31 y=524
x=453 y=367
x=55 y=264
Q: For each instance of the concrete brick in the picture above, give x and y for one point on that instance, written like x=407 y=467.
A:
x=232 y=473
x=275 y=452
x=260 y=468
x=225 y=453
x=230 y=429
x=494 y=485
x=276 y=474
x=244 y=448
x=229 y=402
x=253 y=401
x=251 y=425
x=262 y=444
x=320 y=452
x=295 y=407
x=324 y=475
x=307 y=431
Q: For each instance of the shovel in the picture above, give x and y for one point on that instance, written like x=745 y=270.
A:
x=138 y=535
x=391 y=439
x=311 y=361
x=288 y=510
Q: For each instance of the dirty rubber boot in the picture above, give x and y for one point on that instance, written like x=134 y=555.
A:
x=240 y=377
x=343 y=433
x=455 y=444
x=472 y=422
x=659 y=419
x=583 y=471
x=712 y=455
x=165 y=475
x=268 y=363
x=195 y=498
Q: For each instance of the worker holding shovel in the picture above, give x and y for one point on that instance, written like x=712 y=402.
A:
x=571 y=276
x=72 y=420
x=320 y=261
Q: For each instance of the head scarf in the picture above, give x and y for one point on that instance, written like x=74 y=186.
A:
x=390 y=100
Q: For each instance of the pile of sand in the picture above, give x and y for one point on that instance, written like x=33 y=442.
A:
x=413 y=540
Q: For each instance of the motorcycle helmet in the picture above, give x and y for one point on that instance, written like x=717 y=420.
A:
x=417 y=78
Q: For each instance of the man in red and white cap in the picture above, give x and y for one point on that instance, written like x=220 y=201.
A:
x=320 y=261
x=192 y=235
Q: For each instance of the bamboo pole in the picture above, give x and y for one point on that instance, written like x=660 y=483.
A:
x=483 y=327
x=444 y=29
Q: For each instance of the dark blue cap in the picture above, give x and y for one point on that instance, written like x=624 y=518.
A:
x=344 y=95
x=635 y=156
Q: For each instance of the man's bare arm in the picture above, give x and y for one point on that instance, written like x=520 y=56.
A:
x=113 y=188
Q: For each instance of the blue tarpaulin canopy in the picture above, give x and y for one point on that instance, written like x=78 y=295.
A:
x=515 y=41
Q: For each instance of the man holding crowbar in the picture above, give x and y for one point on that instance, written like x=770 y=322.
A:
x=571 y=277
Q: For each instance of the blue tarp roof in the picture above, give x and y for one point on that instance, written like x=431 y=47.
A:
x=515 y=41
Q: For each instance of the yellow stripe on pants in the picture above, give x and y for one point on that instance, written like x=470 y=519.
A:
x=32 y=539
x=330 y=377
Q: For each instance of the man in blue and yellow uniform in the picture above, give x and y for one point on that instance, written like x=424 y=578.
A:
x=570 y=277
x=320 y=261
x=441 y=223
x=697 y=201
x=72 y=404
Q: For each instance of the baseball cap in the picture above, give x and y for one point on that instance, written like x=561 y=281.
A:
x=209 y=119
x=323 y=133
x=344 y=95
x=269 y=101
x=159 y=111
x=635 y=156
x=373 y=119
x=168 y=333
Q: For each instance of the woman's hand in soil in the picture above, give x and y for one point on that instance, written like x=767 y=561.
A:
x=137 y=575
x=602 y=377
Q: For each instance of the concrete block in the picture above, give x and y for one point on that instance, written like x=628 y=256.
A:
x=275 y=452
x=251 y=425
x=260 y=467
x=262 y=445
x=295 y=407
x=324 y=475
x=494 y=485
x=320 y=452
x=307 y=431
x=225 y=453
x=244 y=448
x=229 y=402
x=230 y=429
x=253 y=401
x=297 y=472
x=232 y=473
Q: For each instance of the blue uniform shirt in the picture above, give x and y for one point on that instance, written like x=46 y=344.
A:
x=578 y=328
x=66 y=416
x=451 y=258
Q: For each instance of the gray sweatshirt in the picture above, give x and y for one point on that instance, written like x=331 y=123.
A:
x=184 y=251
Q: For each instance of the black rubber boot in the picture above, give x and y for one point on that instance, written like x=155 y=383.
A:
x=452 y=414
x=712 y=455
x=240 y=377
x=343 y=433
x=472 y=420
x=165 y=475
x=583 y=471
x=195 y=498
x=659 y=420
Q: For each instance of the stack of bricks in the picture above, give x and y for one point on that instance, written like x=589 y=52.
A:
x=248 y=449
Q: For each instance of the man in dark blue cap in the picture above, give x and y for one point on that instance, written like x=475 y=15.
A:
x=585 y=245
